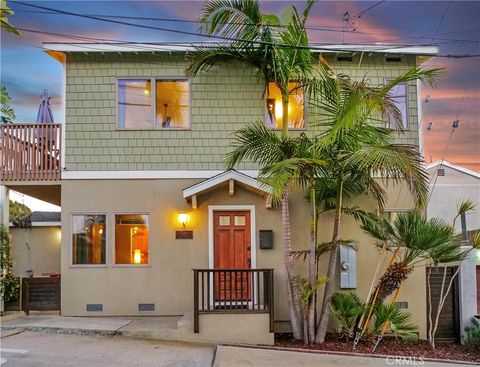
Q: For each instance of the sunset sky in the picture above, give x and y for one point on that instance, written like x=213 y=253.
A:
x=453 y=26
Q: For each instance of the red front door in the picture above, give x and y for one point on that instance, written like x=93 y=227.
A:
x=232 y=250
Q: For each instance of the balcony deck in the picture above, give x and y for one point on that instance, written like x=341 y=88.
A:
x=30 y=152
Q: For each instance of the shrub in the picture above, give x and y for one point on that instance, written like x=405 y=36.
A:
x=472 y=339
x=9 y=284
x=398 y=322
x=346 y=308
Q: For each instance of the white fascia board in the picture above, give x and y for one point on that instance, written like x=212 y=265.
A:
x=146 y=175
x=453 y=166
x=179 y=47
x=223 y=177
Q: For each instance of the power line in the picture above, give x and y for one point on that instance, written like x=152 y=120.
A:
x=313 y=28
x=211 y=36
x=369 y=8
x=441 y=21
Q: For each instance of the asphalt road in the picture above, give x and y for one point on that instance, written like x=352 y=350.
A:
x=29 y=349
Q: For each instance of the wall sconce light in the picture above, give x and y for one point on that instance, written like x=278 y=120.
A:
x=183 y=218
x=137 y=256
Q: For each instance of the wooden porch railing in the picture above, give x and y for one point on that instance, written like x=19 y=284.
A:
x=30 y=152
x=232 y=291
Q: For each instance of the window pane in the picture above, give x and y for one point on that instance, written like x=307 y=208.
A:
x=398 y=94
x=224 y=220
x=135 y=104
x=172 y=99
x=88 y=239
x=239 y=220
x=274 y=108
x=131 y=239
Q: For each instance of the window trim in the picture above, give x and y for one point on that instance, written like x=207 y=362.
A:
x=153 y=80
x=305 y=126
x=107 y=257
x=114 y=265
x=407 y=104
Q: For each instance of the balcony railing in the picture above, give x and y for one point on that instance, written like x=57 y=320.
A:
x=232 y=291
x=30 y=152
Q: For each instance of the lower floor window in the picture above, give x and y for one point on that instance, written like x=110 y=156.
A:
x=88 y=239
x=131 y=239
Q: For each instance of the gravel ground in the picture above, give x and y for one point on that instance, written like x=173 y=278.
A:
x=388 y=346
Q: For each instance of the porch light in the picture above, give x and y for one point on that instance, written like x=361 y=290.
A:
x=183 y=218
x=137 y=256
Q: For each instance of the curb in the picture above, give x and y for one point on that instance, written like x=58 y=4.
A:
x=347 y=354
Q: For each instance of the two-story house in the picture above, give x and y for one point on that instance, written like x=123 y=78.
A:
x=140 y=174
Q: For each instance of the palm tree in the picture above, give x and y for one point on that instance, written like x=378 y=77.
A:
x=278 y=50
x=356 y=143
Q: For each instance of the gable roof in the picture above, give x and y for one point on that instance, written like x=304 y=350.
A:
x=225 y=177
x=453 y=166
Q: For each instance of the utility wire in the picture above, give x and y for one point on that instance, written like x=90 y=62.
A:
x=208 y=36
x=313 y=28
x=441 y=21
x=369 y=8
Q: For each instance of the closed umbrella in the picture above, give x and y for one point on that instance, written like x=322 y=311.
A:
x=45 y=116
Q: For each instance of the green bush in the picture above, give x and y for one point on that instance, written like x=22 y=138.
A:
x=472 y=339
x=346 y=308
x=9 y=284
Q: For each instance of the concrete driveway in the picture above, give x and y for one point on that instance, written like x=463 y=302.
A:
x=28 y=349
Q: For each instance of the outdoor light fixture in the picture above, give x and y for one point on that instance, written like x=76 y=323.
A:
x=183 y=218
x=137 y=256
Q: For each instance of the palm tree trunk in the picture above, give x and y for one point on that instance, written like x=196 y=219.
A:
x=292 y=294
x=285 y=113
x=312 y=266
x=332 y=267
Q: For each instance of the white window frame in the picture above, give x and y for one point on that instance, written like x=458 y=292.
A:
x=107 y=257
x=153 y=81
x=114 y=220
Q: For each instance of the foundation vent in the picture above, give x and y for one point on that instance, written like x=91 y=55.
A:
x=402 y=305
x=393 y=59
x=94 y=307
x=146 y=307
x=345 y=58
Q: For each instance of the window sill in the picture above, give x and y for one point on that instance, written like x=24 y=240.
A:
x=131 y=266
x=82 y=266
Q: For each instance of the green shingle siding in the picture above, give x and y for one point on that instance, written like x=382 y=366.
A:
x=222 y=101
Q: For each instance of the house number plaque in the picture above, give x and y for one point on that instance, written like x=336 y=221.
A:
x=184 y=235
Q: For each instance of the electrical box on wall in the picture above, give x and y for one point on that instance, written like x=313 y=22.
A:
x=266 y=239
x=348 y=267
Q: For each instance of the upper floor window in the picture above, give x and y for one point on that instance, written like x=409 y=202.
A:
x=153 y=104
x=399 y=96
x=274 y=107
x=88 y=239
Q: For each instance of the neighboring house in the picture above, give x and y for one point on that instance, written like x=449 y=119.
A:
x=449 y=185
x=145 y=198
x=36 y=244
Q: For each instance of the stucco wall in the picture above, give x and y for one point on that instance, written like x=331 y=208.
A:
x=168 y=280
x=448 y=191
x=44 y=256
x=223 y=100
